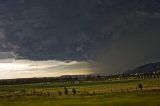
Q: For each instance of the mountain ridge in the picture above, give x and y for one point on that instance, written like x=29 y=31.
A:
x=146 y=68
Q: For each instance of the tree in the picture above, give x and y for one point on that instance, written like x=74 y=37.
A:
x=41 y=93
x=140 y=86
x=59 y=93
x=65 y=90
x=23 y=91
x=34 y=92
x=48 y=93
x=74 y=91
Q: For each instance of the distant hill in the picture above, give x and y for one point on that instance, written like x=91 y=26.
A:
x=79 y=76
x=151 y=67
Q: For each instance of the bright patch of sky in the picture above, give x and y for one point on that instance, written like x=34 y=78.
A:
x=11 y=68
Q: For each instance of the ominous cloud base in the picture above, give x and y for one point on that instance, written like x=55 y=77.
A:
x=112 y=35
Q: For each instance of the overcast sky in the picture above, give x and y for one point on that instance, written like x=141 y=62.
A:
x=79 y=36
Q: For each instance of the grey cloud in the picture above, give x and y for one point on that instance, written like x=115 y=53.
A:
x=82 y=30
x=6 y=55
x=138 y=45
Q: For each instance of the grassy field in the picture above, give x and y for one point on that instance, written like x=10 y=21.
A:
x=110 y=93
x=114 y=99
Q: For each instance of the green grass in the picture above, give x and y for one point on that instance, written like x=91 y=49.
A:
x=102 y=95
x=114 y=99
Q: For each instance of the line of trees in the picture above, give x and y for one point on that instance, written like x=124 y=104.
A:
x=133 y=76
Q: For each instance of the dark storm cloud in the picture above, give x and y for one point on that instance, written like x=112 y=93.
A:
x=120 y=33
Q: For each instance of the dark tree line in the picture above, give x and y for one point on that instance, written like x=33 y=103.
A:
x=71 y=80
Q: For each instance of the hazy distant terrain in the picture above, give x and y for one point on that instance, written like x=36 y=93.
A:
x=151 y=67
